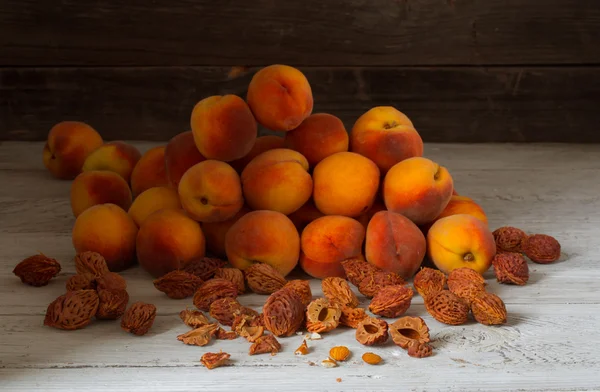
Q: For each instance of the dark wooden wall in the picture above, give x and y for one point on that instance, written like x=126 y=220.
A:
x=463 y=70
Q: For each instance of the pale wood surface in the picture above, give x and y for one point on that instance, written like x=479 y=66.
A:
x=551 y=340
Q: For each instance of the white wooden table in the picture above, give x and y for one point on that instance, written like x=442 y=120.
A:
x=551 y=340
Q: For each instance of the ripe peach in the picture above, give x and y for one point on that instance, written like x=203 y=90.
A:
x=318 y=137
x=151 y=200
x=266 y=237
x=118 y=157
x=460 y=205
x=169 y=239
x=394 y=243
x=210 y=191
x=386 y=136
x=149 y=171
x=99 y=187
x=326 y=242
x=215 y=233
x=106 y=229
x=69 y=144
x=463 y=205
x=223 y=127
x=304 y=215
x=460 y=241
x=181 y=153
x=280 y=97
x=277 y=180
x=417 y=188
x=262 y=144
x=346 y=184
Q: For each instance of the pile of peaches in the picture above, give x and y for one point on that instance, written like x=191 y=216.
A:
x=308 y=196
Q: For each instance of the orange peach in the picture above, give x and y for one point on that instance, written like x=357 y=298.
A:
x=460 y=205
x=280 y=97
x=460 y=241
x=99 y=187
x=386 y=136
x=394 y=243
x=463 y=205
x=69 y=144
x=318 y=137
x=277 y=180
x=262 y=144
x=210 y=191
x=118 y=157
x=106 y=229
x=223 y=127
x=181 y=153
x=417 y=188
x=151 y=200
x=346 y=184
x=149 y=171
x=326 y=242
x=304 y=215
x=167 y=240
x=215 y=233
x=265 y=237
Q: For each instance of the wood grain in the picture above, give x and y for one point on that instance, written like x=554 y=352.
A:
x=516 y=104
x=550 y=342
x=453 y=375
x=311 y=32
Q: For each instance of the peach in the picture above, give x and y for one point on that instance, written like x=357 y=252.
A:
x=149 y=171
x=417 y=188
x=210 y=191
x=280 y=97
x=460 y=241
x=460 y=205
x=181 y=153
x=264 y=237
x=394 y=243
x=326 y=242
x=99 y=187
x=463 y=205
x=262 y=144
x=69 y=144
x=318 y=137
x=386 y=136
x=277 y=180
x=151 y=200
x=167 y=240
x=106 y=229
x=223 y=127
x=118 y=157
x=215 y=233
x=345 y=183
x=304 y=215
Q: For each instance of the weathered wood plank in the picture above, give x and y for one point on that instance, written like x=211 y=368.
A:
x=535 y=340
x=332 y=32
x=550 y=342
x=454 y=376
x=446 y=104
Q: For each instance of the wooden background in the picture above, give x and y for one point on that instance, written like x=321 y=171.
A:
x=463 y=70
